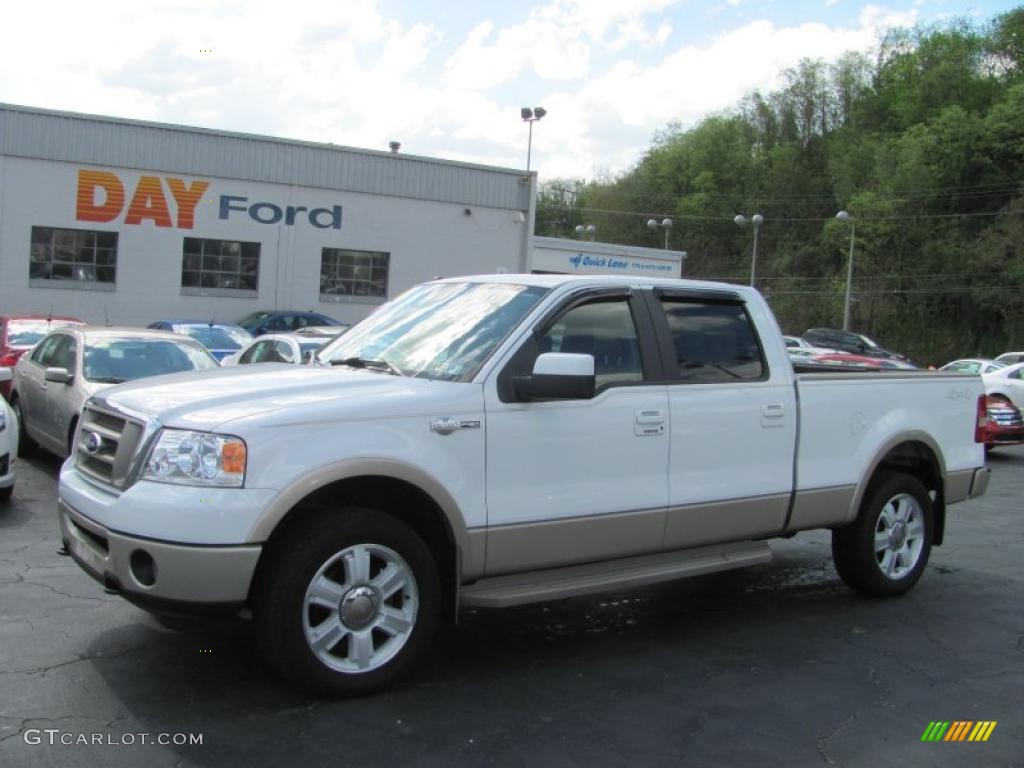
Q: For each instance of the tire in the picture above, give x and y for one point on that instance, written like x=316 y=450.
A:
x=362 y=583
x=885 y=550
x=5 y=494
x=25 y=443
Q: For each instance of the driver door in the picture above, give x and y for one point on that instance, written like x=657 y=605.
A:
x=572 y=481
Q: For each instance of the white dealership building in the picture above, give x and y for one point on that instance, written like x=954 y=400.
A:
x=127 y=222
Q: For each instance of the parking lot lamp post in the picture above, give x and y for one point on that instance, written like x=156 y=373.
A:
x=531 y=116
x=755 y=221
x=589 y=229
x=844 y=216
x=666 y=224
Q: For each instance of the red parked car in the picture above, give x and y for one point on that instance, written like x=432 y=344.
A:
x=19 y=333
x=862 y=361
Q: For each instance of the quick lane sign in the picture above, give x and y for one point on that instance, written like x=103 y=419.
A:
x=101 y=197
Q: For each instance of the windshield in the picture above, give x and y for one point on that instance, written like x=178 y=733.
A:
x=216 y=336
x=442 y=331
x=113 y=360
x=25 y=333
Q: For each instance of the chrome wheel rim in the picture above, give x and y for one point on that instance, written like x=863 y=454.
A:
x=360 y=608
x=899 y=536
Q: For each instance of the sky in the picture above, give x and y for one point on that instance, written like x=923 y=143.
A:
x=446 y=79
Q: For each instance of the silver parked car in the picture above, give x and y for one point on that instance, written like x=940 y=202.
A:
x=67 y=367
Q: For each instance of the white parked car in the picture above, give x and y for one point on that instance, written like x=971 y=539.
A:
x=1007 y=383
x=974 y=365
x=1011 y=358
x=8 y=442
x=291 y=348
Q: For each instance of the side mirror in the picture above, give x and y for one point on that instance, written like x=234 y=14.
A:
x=58 y=375
x=557 y=376
x=5 y=374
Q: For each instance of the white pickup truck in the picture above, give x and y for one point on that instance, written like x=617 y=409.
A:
x=496 y=440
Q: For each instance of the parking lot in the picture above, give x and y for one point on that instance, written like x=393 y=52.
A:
x=775 y=665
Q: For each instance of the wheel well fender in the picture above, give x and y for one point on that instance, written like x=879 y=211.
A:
x=915 y=454
x=402 y=492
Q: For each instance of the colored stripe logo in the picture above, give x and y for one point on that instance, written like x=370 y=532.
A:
x=959 y=730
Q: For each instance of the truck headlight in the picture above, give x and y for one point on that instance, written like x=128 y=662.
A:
x=197 y=458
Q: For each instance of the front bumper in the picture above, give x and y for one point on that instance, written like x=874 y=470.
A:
x=160 y=575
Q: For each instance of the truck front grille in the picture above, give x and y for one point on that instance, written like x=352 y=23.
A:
x=105 y=444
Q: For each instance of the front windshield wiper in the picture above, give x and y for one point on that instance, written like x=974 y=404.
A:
x=368 y=362
x=107 y=380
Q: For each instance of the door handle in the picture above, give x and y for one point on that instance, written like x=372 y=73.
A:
x=773 y=415
x=649 y=422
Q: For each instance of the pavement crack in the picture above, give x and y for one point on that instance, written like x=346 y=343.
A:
x=823 y=742
x=56 y=591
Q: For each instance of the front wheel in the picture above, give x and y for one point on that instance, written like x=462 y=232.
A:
x=5 y=494
x=884 y=551
x=347 y=601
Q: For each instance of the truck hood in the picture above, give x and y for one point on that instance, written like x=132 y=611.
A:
x=279 y=394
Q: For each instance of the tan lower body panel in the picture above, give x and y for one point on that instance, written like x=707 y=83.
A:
x=822 y=507
x=698 y=524
x=958 y=485
x=556 y=583
x=529 y=546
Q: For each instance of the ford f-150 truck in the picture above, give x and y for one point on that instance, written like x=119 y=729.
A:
x=491 y=441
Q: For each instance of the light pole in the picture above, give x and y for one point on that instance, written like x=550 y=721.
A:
x=755 y=221
x=531 y=116
x=844 y=216
x=589 y=229
x=666 y=224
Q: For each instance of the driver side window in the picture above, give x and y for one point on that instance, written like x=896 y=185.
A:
x=605 y=330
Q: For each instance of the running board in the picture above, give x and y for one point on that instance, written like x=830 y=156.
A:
x=539 y=586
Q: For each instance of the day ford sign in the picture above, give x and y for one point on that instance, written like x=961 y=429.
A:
x=172 y=202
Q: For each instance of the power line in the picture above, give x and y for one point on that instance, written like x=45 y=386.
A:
x=694 y=217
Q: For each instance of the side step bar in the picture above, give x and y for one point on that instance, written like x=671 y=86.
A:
x=556 y=583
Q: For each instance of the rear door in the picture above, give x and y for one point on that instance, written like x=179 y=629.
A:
x=579 y=480
x=733 y=422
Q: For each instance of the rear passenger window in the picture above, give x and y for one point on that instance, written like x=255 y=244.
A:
x=713 y=341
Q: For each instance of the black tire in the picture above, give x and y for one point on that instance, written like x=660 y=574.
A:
x=283 y=617
x=25 y=443
x=5 y=494
x=854 y=552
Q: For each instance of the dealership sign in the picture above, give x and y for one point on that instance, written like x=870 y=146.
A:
x=101 y=196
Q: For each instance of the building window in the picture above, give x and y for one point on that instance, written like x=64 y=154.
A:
x=220 y=265
x=345 y=274
x=77 y=257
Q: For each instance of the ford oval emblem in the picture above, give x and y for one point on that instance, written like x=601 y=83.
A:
x=93 y=443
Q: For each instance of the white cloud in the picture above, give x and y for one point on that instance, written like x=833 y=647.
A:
x=348 y=74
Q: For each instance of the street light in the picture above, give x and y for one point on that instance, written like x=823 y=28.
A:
x=531 y=116
x=755 y=221
x=844 y=216
x=589 y=229
x=666 y=224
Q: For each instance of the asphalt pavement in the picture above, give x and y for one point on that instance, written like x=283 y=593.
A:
x=778 y=665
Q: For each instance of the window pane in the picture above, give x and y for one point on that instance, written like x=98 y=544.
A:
x=225 y=264
x=76 y=252
x=346 y=272
x=606 y=331
x=713 y=342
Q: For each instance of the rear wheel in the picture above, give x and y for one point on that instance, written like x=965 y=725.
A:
x=347 y=601
x=885 y=550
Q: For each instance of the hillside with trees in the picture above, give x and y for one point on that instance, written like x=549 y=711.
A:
x=922 y=142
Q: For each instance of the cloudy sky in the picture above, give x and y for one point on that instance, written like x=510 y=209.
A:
x=445 y=78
